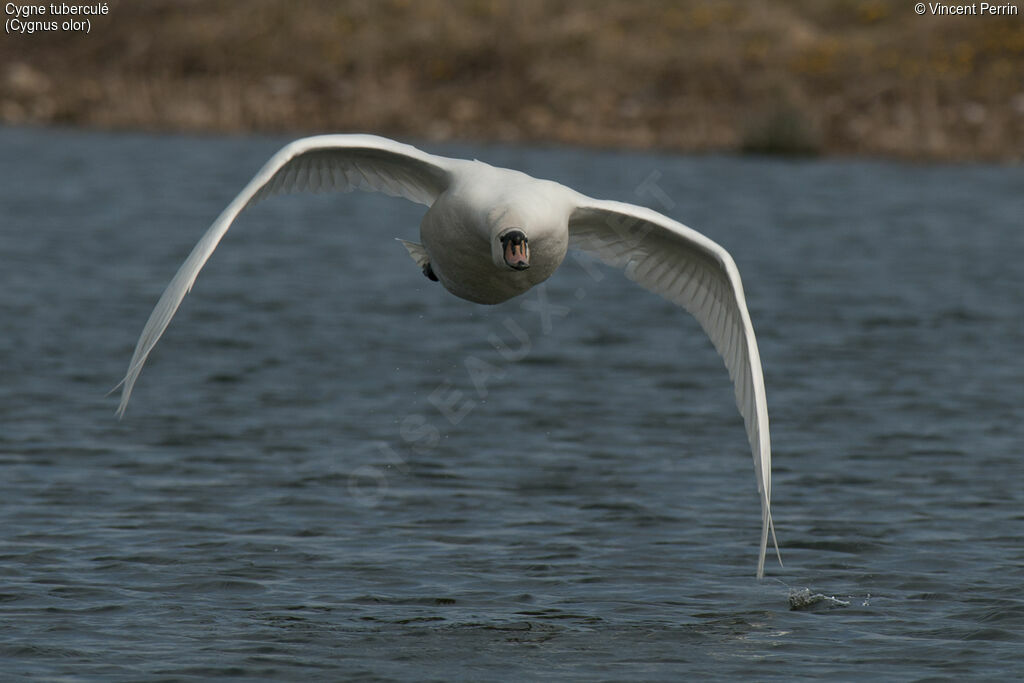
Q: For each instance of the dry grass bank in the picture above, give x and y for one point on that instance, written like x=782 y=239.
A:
x=862 y=77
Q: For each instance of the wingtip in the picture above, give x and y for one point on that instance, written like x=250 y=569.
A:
x=761 y=555
x=775 y=541
x=768 y=528
x=122 y=407
x=123 y=404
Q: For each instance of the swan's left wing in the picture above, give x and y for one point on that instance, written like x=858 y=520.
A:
x=694 y=272
x=321 y=163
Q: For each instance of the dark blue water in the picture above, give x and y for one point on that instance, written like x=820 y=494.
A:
x=329 y=470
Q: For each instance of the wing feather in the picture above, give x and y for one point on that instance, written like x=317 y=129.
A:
x=318 y=164
x=694 y=272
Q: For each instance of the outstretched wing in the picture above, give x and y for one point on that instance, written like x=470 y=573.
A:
x=694 y=272
x=316 y=164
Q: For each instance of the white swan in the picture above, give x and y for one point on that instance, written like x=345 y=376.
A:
x=493 y=233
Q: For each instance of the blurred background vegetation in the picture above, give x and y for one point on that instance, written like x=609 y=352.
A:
x=837 y=77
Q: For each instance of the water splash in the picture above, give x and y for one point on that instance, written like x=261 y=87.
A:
x=803 y=599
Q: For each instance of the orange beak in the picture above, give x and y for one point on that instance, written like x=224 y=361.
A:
x=516 y=250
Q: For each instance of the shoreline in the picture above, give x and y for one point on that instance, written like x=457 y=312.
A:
x=829 y=78
x=286 y=135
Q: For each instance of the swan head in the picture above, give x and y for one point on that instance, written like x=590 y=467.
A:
x=514 y=248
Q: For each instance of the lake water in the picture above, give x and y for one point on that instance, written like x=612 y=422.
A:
x=286 y=498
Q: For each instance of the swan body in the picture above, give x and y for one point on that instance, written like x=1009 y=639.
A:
x=491 y=234
x=465 y=223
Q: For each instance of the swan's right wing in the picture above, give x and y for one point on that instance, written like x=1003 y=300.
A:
x=316 y=164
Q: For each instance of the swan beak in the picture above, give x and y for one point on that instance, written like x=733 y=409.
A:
x=515 y=250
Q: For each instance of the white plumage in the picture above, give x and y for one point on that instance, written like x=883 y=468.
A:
x=473 y=209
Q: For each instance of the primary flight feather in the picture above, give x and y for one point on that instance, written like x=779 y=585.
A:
x=490 y=234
